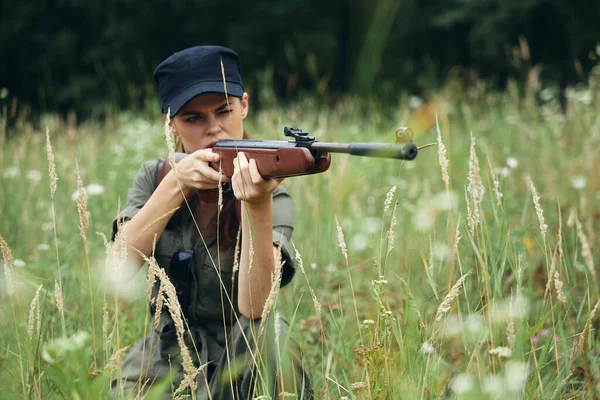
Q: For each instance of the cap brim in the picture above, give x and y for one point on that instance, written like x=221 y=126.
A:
x=173 y=106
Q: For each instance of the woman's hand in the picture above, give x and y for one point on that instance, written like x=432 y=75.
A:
x=195 y=173
x=247 y=183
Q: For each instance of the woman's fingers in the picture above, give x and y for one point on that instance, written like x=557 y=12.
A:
x=205 y=155
x=254 y=174
x=209 y=175
x=248 y=185
x=196 y=172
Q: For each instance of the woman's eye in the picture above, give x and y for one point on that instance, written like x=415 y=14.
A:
x=225 y=112
x=194 y=119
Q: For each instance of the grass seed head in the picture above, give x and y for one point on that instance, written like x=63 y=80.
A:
x=169 y=139
x=446 y=304
x=501 y=352
x=538 y=209
x=389 y=198
x=443 y=160
x=475 y=189
x=82 y=208
x=341 y=242
x=58 y=294
x=496 y=184
x=586 y=250
x=51 y=165
x=392 y=231
x=35 y=305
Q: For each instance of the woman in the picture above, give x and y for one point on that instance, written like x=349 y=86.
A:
x=202 y=92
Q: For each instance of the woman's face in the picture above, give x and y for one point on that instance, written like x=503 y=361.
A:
x=208 y=118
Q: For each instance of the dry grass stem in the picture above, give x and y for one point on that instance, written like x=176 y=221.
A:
x=442 y=158
x=220 y=188
x=51 y=165
x=578 y=344
x=236 y=252
x=586 y=250
x=105 y=318
x=169 y=140
x=116 y=360
x=316 y=303
x=446 y=305
x=538 y=209
x=8 y=259
x=172 y=302
x=275 y=285
x=154 y=272
x=35 y=306
x=251 y=251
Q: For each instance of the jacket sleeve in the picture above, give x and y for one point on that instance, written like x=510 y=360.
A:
x=283 y=226
x=138 y=194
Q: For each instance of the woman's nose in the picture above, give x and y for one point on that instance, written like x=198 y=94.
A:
x=213 y=126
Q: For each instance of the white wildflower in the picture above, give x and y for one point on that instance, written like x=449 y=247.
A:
x=359 y=242
x=427 y=348
x=504 y=171
x=512 y=162
x=18 y=263
x=33 y=175
x=368 y=322
x=414 y=102
x=493 y=386
x=371 y=225
x=462 y=383
x=93 y=189
x=516 y=374
x=579 y=182
x=12 y=172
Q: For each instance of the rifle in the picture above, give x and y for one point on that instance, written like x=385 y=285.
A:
x=303 y=155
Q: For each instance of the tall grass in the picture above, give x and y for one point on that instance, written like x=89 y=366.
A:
x=454 y=275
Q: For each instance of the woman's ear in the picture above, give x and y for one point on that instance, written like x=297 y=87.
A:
x=244 y=104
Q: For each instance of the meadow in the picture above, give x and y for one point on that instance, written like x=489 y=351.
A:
x=470 y=272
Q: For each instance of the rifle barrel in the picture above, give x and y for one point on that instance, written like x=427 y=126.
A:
x=382 y=150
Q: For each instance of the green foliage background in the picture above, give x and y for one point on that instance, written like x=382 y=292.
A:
x=82 y=55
